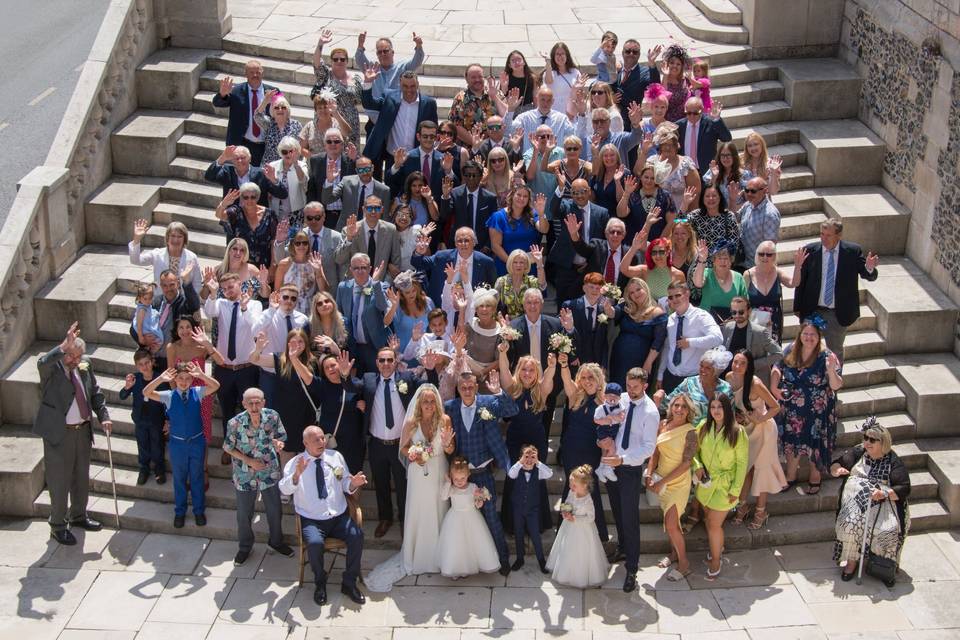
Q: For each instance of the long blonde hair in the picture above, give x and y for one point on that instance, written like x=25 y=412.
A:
x=316 y=325
x=745 y=160
x=692 y=244
x=630 y=308
x=693 y=414
x=438 y=414
x=224 y=266
x=306 y=356
x=499 y=183
x=516 y=389
x=580 y=396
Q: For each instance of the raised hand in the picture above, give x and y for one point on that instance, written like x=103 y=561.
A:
x=423 y=244
x=734 y=190
x=371 y=72
x=566 y=319
x=210 y=278
x=573 y=225
x=244 y=301
x=540 y=204
x=263 y=275
x=326 y=37
x=333 y=169
x=140 y=230
x=270 y=172
x=361 y=39
x=226 y=86
x=283 y=231
x=630 y=184
x=635 y=113
x=417 y=332
x=702 y=250
x=344 y=363
x=428 y=229
x=652 y=55
x=536 y=254
x=199 y=337
x=302 y=463
x=563 y=360
x=450 y=270
x=350 y=228
x=476 y=134
x=230 y=198
x=129 y=380
x=417 y=40
x=653 y=217
x=447 y=163
x=516 y=141
x=872 y=261
x=72 y=334
x=399 y=157
x=689 y=195
x=714 y=169
x=493 y=382
x=393 y=296
x=169 y=374
x=270 y=95
x=513 y=99
x=351 y=150
x=394 y=342
x=800 y=256
x=275 y=299
x=426 y=193
x=459 y=339
x=316 y=261
x=715 y=109
x=647 y=143
x=775 y=162
x=380 y=271
x=619 y=173
x=833 y=362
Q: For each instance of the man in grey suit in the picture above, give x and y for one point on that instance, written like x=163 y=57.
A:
x=374 y=237
x=69 y=398
x=739 y=333
x=352 y=190
x=323 y=240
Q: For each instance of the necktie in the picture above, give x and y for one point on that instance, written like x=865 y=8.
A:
x=165 y=313
x=388 y=403
x=232 y=337
x=535 y=341
x=610 y=271
x=372 y=246
x=358 y=316
x=184 y=397
x=80 y=396
x=473 y=216
x=830 y=284
x=590 y=317
x=321 y=481
x=456 y=318
x=692 y=151
x=254 y=103
x=625 y=439
x=289 y=324
x=363 y=196
x=626 y=76
x=426 y=169
x=543 y=119
x=676 y=350
x=316 y=243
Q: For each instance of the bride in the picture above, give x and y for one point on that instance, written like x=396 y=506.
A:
x=425 y=427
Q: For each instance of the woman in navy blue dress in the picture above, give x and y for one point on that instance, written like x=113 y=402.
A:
x=643 y=329
x=578 y=444
x=530 y=388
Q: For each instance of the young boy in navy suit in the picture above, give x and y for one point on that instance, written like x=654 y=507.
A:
x=527 y=473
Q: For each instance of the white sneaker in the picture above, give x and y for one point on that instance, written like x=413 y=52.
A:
x=605 y=472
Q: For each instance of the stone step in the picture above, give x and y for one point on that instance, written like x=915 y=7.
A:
x=867 y=401
x=798 y=176
x=688 y=17
x=186 y=168
x=203 y=103
x=196 y=218
x=899 y=423
x=199 y=147
x=720 y=11
x=791 y=154
x=758 y=113
x=122 y=306
x=741 y=94
x=866 y=321
x=199 y=194
x=115 y=332
x=750 y=71
x=799 y=225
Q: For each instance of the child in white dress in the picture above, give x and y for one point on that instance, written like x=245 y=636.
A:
x=577 y=558
x=465 y=546
x=608 y=417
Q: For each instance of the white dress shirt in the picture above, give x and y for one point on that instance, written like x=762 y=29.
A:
x=403 y=133
x=306 y=498
x=827 y=257
x=643 y=430
x=222 y=309
x=543 y=471
x=702 y=334
x=274 y=323
x=530 y=120
x=249 y=134
x=468 y=413
x=378 y=417
x=596 y=310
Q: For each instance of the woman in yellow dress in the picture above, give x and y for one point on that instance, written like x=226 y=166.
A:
x=676 y=446
x=720 y=467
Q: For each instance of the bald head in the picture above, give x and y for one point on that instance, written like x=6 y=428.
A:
x=694 y=109
x=580 y=192
x=314 y=441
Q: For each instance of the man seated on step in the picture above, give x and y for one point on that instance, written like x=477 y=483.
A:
x=243 y=100
x=241 y=171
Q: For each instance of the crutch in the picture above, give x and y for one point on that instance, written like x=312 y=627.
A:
x=863 y=545
x=113 y=481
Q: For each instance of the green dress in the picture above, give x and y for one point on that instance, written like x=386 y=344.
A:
x=727 y=466
x=717 y=301
x=658 y=280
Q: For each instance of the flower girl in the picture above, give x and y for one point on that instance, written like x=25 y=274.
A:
x=577 y=558
x=466 y=546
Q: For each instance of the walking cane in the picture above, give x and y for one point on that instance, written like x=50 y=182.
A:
x=863 y=545
x=113 y=481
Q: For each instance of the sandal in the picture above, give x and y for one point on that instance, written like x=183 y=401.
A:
x=791 y=484
x=760 y=517
x=813 y=488
x=676 y=575
x=741 y=513
x=711 y=576
x=665 y=562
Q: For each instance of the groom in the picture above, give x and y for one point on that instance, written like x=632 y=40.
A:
x=476 y=423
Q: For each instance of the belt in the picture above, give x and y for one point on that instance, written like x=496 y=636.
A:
x=389 y=443
x=236 y=367
x=193 y=437
x=76 y=427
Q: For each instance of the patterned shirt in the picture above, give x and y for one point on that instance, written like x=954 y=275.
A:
x=255 y=442
x=758 y=224
x=716 y=230
x=259 y=240
x=275 y=134
x=468 y=109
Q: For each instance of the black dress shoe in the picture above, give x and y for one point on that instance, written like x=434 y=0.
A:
x=504 y=570
x=353 y=593
x=320 y=595
x=283 y=549
x=86 y=523
x=240 y=558
x=63 y=536
x=847 y=577
x=630 y=582
x=142 y=477
x=543 y=567
x=161 y=478
x=517 y=564
x=178 y=521
x=200 y=519
x=617 y=556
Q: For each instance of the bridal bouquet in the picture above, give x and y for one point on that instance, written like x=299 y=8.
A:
x=561 y=343
x=480 y=495
x=420 y=452
x=509 y=334
x=612 y=291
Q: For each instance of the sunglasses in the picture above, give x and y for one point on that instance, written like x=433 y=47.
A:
x=738 y=312
x=579 y=192
x=598 y=93
x=381 y=52
x=870 y=439
x=338 y=59
x=279 y=108
x=494 y=127
x=313 y=219
x=752 y=190
x=364 y=170
x=498 y=159
x=600 y=120
x=334 y=141
x=286 y=152
x=571 y=149
x=301 y=243
x=765 y=254
x=658 y=252
x=248 y=197
x=675 y=296
x=544 y=136
x=385 y=360
x=631 y=52
x=289 y=298
x=372 y=209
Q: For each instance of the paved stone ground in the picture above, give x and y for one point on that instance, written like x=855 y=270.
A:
x=128 y=584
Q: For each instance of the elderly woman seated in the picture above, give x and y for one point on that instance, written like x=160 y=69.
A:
x=873 y=495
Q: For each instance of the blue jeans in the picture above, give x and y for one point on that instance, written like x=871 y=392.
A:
x=186 y=459
x=342 y=527
x=246 y=503
x=149 y=446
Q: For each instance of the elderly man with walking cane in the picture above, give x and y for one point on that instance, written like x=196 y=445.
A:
x=70 y=399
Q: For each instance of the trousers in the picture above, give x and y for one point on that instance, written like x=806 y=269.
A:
x=342 y=527
x=67 y=472
x=186 y=459
x=246 y=504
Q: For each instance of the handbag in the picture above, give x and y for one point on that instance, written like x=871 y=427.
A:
x=331 y=437
x=883 y=569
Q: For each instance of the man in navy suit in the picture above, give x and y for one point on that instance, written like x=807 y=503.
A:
x=231 y=176
x=603 y=256
x=632 y=80
x=588 y=318
x=566 y=265
x=386 y=394
x=476 y=425
x=480 y=267
x=434 y=166
x=363 y=303
x=829 y=282
x=699 y=135
x=399 y=115
x=468 y=205
x=243 y=100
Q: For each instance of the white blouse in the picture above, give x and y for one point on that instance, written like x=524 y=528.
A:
x=160 y=259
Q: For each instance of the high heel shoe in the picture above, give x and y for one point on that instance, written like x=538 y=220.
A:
x=760 y=517
x=741 y=513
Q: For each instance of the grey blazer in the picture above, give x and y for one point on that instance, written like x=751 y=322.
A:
x=334 y=261
x=388 y=244
x=56 y=396
x=765 y=351
x=348 y=192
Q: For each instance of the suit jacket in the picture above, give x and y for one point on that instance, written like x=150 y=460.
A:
x=591 y=343
x=596 y=252
x=226 y=176
x=484 y=270
x=366 y=387
x=348 y=192
x=562 y=251
x=318 y=174
x=238 y=101
x=389 y=106
x=335 y=258
x=186 y=303
x=761 y=346
x=851 y=263
x=549 y=325
x=633 y=88
x=56 y=396
x=483 y=441
x=373 y=310
x=456 y=207
x=388 y=244
x=414 y=162
x=710 y=132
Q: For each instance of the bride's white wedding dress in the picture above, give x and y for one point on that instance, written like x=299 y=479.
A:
x=421 y=527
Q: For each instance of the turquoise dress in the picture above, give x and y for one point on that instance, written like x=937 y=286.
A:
x=694 y=390
x=403 y=324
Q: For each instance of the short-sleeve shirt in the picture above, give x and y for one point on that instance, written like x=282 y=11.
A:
x=255 y=442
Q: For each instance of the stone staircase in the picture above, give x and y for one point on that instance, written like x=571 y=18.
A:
x=899 y=360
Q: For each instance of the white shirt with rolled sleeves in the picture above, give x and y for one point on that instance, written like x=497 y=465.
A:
x=306 y=498
x=702 y=334
x=274 y=323
x=222 y=309
x=643 y=431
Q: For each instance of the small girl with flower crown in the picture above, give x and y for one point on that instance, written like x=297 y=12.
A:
x=465 y=546
x=577 y=558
